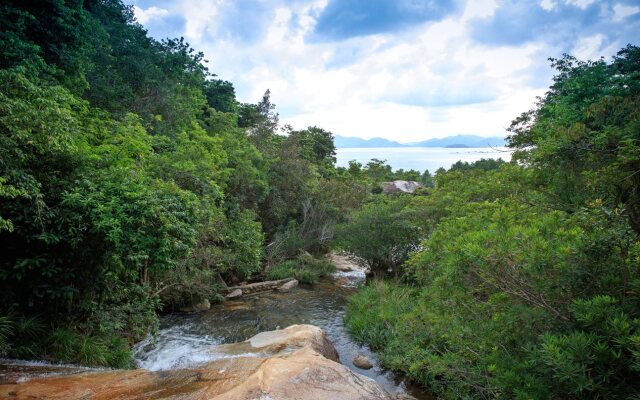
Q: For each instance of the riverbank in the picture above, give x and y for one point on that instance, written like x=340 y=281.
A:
x=185 y=340
x=292 y=363
x=182 y=338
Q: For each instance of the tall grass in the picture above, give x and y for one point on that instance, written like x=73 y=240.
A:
x=6 y=328
x=67 y=345
x=373 y=312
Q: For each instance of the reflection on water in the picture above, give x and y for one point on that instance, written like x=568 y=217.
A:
x=183 y=337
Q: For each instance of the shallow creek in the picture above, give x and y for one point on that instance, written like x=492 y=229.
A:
x=183 y=337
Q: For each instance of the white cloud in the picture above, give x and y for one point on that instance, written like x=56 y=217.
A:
x=620 y=11
x=144 y=16
x=199 y=17
x=431 y=80
x=479 y=9
x=583 y=4
x=589 y=48
x=548 y=4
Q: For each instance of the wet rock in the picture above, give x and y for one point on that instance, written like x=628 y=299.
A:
x=289 y=285
x=298 y=371
x=280 y=341
x=341 y=281
x=344 y=263
x=400 y=187
x=203 y=305
x=362 y=361
x=235 y=305
x=234 y=294
x=404 y=396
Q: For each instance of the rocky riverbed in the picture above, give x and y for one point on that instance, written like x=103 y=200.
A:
x=235 y=349
x=297 y=362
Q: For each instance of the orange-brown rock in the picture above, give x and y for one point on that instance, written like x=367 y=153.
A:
x=282 y=341
x=299 y=370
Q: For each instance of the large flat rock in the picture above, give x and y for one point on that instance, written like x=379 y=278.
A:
x=282 y=341
x=293 y=363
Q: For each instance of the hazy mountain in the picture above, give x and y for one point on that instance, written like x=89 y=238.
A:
x=458 y=141
x=342 y=142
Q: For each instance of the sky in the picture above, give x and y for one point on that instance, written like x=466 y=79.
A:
x=405 y=70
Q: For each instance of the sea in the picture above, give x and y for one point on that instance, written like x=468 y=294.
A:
x=419 y=158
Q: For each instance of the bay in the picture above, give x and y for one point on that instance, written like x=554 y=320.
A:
x=419 y=158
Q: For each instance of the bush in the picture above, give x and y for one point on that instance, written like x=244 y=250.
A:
x=514 y=303
x=283 y=270
x=373 y=312
x=6 y=327
x=68 y=345
x=307 y=276
x=320 y=266
x=599 y=358
x=26 y=335
x=382 y=234
x=305 y=269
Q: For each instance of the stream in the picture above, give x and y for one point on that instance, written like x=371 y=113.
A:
x=183 y=337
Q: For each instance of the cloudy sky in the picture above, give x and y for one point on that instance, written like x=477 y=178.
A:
x=406 y=70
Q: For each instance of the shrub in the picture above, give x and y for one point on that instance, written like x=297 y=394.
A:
x=305 y=269
x=514 y=303
x=68 y=345
x=321 y=266
x=6 y=327
x=306 y=276
x=283 y=270
x=373 y=312
x=381 y=234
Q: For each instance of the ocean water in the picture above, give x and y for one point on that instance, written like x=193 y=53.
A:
x=419 y=158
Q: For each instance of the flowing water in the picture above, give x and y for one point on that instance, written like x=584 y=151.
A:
x=183 y=337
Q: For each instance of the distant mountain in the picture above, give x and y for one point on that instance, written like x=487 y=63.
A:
x=466 y=140
x=458 y=141
x=342 y=142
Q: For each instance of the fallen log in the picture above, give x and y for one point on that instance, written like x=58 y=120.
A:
x=257 y=286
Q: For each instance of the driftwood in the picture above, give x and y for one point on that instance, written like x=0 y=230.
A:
x=257 y=287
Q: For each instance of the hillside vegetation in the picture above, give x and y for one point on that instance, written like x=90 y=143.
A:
x=133 y=182
x=520 y=281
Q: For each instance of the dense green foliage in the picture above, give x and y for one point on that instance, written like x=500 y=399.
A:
x=305 y=269
x=377 y=171
x=382 y=233
x=132 y=181
x=526 y=283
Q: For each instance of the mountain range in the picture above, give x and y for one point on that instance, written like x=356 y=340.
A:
x=458 y=141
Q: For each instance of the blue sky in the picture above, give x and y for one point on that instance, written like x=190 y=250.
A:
x=406 y=70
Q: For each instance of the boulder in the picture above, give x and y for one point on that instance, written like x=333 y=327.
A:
x=234 y=293
x=400 y=187
x=345 y=263
x=203 y=305
x=279 y=341
x=341 y=281
x=289 y=285
x=362 y=361
x=300 y=370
